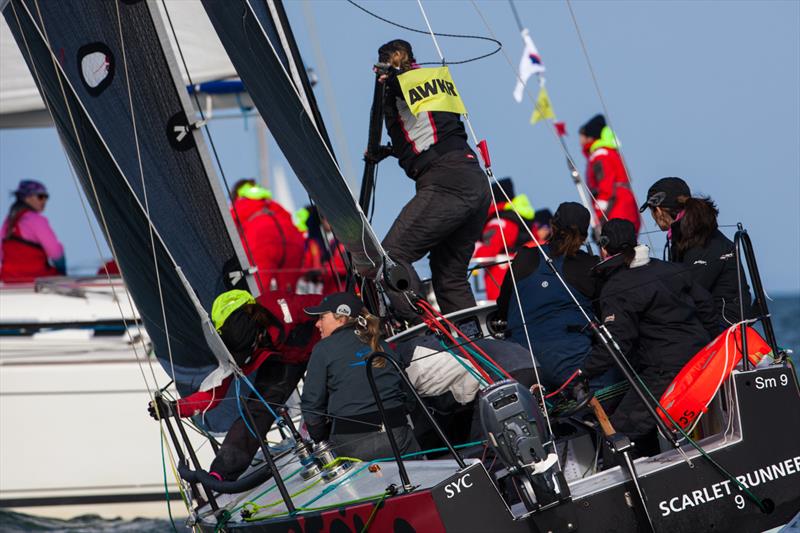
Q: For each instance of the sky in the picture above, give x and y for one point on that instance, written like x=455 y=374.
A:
x=708 y=91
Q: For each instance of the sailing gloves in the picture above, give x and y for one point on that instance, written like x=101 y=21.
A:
x=380 y=153
x=165 y=408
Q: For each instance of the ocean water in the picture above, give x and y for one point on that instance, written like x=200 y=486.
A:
x=785 y=310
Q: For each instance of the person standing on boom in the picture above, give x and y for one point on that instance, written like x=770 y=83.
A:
x=446 y=215
x=606 y=176
x=30 y=248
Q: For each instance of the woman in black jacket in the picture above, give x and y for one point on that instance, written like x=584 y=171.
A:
x=556 y=327
x=694 y=240
x=657 y=315
x=336 y=384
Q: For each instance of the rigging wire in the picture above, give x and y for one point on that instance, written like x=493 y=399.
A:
x=43 y=33
x=213 y=149
x=132 y=341
x=452 y=35
x=489 y=176
x=605 y=107
x=144 y=192
x=570 y=160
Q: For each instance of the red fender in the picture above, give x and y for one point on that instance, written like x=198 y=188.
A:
x=694 y=387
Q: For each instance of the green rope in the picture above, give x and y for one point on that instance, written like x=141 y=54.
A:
x=468 y=368
x=166 y=487
x=224 y=516
x=331 y=488
x=486 y=362
x=374 y=512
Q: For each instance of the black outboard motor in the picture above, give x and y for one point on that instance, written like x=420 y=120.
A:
x=513 y=424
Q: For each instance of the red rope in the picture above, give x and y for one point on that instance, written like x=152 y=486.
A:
x=467 y=338
x=564 y=385
x=434 y=325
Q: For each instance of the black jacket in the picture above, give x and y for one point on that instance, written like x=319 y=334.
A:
x=418 y=141
x=656 y=313
x=577 y=272
x=713 y=267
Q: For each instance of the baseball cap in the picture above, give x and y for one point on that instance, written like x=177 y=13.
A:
x=665 y=192
x=28 y=187
x=341 y=303
x=617 y=235
x=572 y=214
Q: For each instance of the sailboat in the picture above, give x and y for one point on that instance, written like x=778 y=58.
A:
x=742 y=476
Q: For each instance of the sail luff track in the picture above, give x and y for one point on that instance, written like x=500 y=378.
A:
x=244 y=27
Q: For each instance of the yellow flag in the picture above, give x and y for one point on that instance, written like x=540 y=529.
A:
x=544 y=109
x=430 y=89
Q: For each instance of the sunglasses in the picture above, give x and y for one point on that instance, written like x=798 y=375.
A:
x=43 y=196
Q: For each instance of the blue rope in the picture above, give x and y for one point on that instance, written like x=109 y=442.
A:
x=258 y=395
x=241 y=414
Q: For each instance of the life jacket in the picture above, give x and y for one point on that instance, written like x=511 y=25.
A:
x=689 y=394
x=23 y=260
x=556 y=328
x=523 y=236
x=271 y=241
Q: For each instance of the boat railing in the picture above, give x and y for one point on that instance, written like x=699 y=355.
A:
x=407 y=486
x=744 y=246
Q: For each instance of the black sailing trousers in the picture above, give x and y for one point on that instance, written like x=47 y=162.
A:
x=275 y=381
x=444 y=218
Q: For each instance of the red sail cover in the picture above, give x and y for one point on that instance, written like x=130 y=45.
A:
x=691 y=391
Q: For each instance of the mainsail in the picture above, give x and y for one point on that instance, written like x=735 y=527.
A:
x=254 y=34
x=154 y=179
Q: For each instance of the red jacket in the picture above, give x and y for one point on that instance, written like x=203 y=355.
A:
x=292 y=346
x=491 y=245
x=271 y=241
x=23 y=260
x=329 y=275
x=608 y=182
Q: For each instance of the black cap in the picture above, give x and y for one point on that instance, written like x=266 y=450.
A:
x=341 y=303
x=617 y=235
x=542 y=217
x=572 y=214
x=503 y=184
x=665 y=192
x=594 y=127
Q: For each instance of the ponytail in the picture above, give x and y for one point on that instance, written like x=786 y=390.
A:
x=368 y=330
x=698 y=223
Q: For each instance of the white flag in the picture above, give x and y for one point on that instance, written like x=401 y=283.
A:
x=530 y=64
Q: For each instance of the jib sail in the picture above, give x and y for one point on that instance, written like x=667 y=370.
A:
x=82 y=55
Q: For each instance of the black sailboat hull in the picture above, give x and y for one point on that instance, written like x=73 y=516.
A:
x=762 y=450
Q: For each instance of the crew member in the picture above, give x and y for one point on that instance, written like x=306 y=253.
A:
x=656 y=314
x=512 y=224
x=558 y=331
x=271 y=337
x=694 y=239
x=445 y=218
x=324 y=267
x=541 y=224
x=30 y=248
x=270 y=239
x=336 y=385
x=606 y=176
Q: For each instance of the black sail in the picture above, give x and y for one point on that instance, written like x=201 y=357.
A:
x=75 y=54
x=251 y=36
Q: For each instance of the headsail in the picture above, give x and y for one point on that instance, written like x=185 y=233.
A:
x=76 y=53
x=252 y=37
